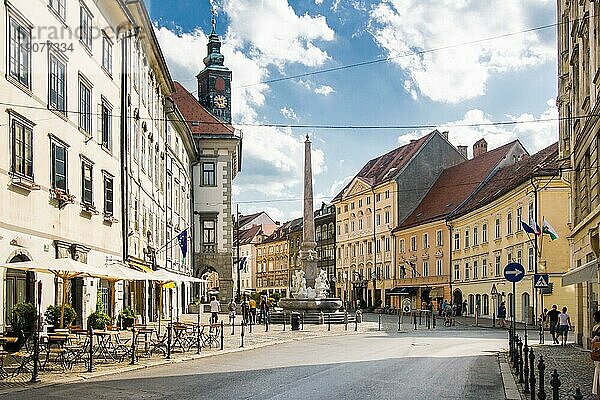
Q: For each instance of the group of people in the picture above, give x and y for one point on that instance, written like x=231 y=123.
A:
x=559 y=324
x=248 y=307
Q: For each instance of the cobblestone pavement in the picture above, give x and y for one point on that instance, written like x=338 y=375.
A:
x=574 y=366
x=232 y=343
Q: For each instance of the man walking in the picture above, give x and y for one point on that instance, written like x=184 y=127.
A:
x=553 y=318
x=215 y=308
x=231 y=308
x=502 y=315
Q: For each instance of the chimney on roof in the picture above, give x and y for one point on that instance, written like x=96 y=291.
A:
x=479 y=148
x=462 y=150
x=445 y=135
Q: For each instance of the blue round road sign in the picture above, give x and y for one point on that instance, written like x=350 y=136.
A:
x=514 y=272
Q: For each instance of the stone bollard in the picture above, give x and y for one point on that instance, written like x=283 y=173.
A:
x=541 y=368
x=526 y=366
x=532 y=374
x=577 y=395
x=555 y=383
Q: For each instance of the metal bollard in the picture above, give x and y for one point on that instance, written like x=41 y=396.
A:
x=222 y=335
x=328 y=321
x=169 y=338
x=242 y=334
x=516 y=355
x=284 y=321
x=345 y=320
x=399 y=321
x=526 y=367
x=541 y=333
x=541 y=369
x=91 y=362
x=510 y=346
x=355 y=321
x=521 y=380
x=251 y=323
x=434 y=319
x=379 y=322
x=198 y=339
x=415 y=319
x=577 y=395
x=36 y=352
x=420 y=313
x=266 y=322
x=532 y=374
x=133 y=350
x=302 y=328
x=555 y=383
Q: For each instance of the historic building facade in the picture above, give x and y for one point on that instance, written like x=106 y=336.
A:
x=272 y=263
x=381 y=196
x=578 y=95
x=423 y=239
x=487 y=234
x=325 y=238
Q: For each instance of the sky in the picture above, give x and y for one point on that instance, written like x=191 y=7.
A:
x=450 y=63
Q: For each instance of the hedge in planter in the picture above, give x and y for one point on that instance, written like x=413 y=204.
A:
x=99 y=319
x=23 y=318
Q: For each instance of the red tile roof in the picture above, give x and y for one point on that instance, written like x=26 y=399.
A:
x=454 y=186
x=199 y=120
x=387 y=166
x=543 y=163
x=247 y=235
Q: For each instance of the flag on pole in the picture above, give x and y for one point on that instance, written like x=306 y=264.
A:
x=242 y=263
x=182 y=239
x=527 y=228
x=549 y=230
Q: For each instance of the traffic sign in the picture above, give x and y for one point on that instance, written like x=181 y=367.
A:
x=406 y=306
x=494 y=291
x=541 y=281
x=514 y=272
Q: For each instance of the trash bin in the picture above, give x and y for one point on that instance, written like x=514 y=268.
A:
x=295 y=321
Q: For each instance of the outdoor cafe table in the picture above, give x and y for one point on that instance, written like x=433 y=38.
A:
x=180 y=336
x=108 y=344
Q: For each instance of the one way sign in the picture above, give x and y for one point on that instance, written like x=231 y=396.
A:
x=540 y=281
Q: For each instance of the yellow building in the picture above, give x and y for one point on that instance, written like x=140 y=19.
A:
x=577 y=102
x=423 y=239
x=383 y=193
x=272 y=263
x=487 y=234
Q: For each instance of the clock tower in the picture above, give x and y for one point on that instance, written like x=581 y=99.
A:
x=214 y=82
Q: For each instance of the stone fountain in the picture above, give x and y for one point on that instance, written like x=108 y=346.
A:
x=309 y=291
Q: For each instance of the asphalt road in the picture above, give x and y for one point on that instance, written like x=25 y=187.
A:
x=450 y=364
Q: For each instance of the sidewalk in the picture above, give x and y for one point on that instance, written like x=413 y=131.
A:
x=258 y=338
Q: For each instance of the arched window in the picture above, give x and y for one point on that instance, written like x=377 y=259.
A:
x=318 y=233
x=330 y=231
x=525 y=317
x=471 y=304
x=485 y=306
x=509 y=306
x=478 y=304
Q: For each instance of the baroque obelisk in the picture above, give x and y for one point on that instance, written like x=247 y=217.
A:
x=308 y=255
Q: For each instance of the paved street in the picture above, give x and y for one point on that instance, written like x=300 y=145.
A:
x=444 y=364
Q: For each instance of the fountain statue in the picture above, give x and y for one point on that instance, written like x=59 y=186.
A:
x=309 y=291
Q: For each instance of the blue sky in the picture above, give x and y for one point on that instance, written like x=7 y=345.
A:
x=507 y=78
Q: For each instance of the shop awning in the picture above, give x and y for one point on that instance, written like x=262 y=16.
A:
x=406 y=291
x=168 y=276
x=588 y=272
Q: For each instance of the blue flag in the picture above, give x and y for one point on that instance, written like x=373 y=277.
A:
x=527 y=228
x=182 y=239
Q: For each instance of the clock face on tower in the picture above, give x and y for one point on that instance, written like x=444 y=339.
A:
x=220 y=101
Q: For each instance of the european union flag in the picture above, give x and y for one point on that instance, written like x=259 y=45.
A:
x=182 y=239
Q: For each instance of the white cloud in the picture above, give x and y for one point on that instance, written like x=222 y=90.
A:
x=338 y=185
x=451 y=75
x=318 y=2
x=260 y=34
x=275 y=34
x=534 y=132
x=324 y=90
x=289 y=113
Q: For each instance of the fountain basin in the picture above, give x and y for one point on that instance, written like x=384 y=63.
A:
x=311 y=305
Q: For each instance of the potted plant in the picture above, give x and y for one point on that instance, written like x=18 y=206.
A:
x=99 y=319
x=127 y=317
x=52 y=316
x=23 y=319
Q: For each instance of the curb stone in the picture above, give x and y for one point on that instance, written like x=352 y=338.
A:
x=511 y=390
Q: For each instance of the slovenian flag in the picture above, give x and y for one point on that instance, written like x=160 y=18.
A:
x=532 y=227
x=549 y=230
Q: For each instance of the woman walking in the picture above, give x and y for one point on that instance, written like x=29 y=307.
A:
x=564 y=325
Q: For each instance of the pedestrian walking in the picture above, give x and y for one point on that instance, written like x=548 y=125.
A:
x=553 y=320
x=215 y=308
x=502 y=315
x=252 y=304
x=596 y=338
x=231 y=308
x=448 y=315
x=264 y=309
x=544 y=318
x=564 y=325
x=245 y=310
x=464 y=308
